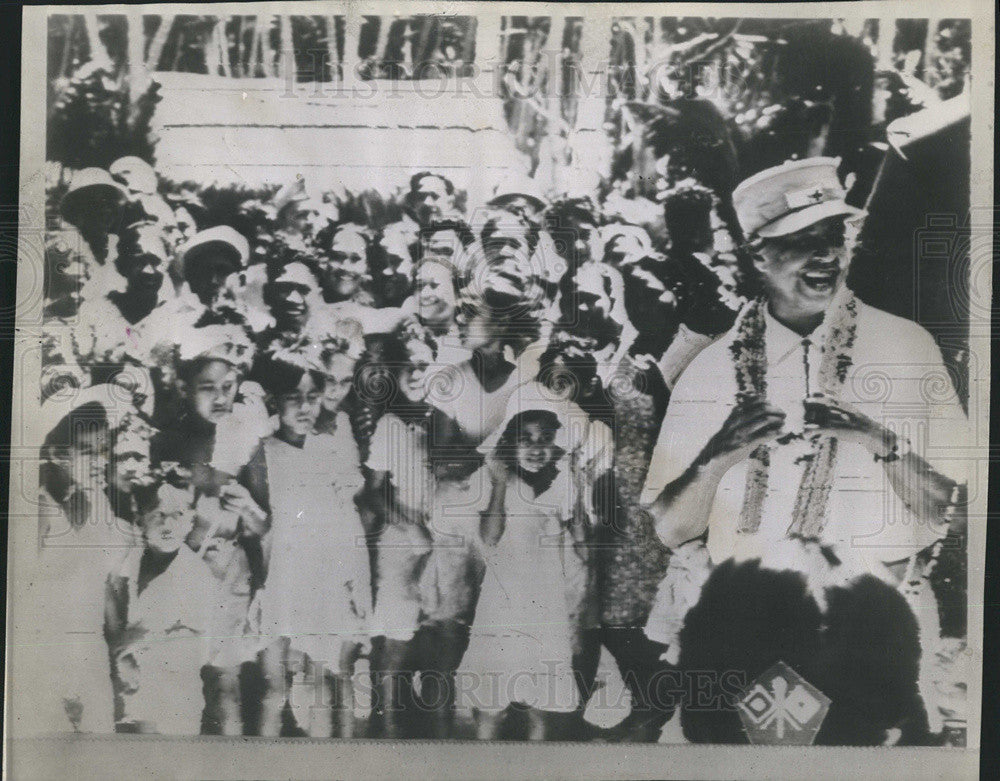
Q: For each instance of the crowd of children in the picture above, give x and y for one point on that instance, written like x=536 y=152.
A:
x=389 y=439
x=415 y=436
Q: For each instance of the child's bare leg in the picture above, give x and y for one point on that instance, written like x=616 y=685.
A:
x=227 y=705
x=394 y=686
x=342 y=691
x=488 y=724
x=539 y=724
x=274 y=663
x=320 y=721
x=441 y=648
x=332 y=712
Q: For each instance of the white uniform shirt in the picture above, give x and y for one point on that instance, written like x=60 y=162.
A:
x=897 y=378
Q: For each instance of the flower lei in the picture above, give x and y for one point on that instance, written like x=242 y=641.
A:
x=750 y=362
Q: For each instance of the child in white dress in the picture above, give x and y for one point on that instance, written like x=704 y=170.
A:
x=521 y=645
x=317 y=593
x=84 y=530
x=159 y=606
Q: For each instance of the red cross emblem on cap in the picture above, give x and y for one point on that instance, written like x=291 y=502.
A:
x=816 y=195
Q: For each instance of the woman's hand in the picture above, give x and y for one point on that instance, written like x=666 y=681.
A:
x=219 y=555
x=235 y=498
x=747 y=427
x=835 y=418
x=498 y=470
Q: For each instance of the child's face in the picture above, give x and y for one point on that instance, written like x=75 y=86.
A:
x=86 y=459
x=212 y=391
x=298 y=409
x=339 y=377
x=413 y=377
x=130 y=465
x=535 y=449
x=165 y=528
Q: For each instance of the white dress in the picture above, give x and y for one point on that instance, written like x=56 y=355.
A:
x=172 y=619
x=318 y=586
x=521 y=644
x=398 y=449
x=66 y=595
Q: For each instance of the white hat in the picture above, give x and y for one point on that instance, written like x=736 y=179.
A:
x=114 y=400
x=87 y=184
x=790 y=197
x=517 y=185
x=218 y=240
x=135 y=173
x=296 y=272
x=228 y=343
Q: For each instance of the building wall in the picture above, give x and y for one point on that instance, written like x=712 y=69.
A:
x=259 y=131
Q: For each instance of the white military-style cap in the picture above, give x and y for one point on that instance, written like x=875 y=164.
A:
x=88 y=184
x=518 y=185
x=218 y=240
x=135 y=173
x=790 y=197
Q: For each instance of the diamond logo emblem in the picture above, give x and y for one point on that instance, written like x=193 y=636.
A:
x=782 y=708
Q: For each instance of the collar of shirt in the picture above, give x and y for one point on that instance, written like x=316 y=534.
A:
x=781 y=342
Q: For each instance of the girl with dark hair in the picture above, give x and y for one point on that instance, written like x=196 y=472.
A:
x=521 y=641
x=84 y=530
x=397 y=495
x=316 y=595
x=499 y=322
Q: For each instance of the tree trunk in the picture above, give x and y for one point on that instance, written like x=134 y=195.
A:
x=254 y=57
x=211 y=51
x=67 y=47
x=98 y=54
x=138 y=79
x=352 y=37
x=223 y=44
x=238 y=62
x=159 y=41
x=267 y=50
x=331 y=47
x=382 y=39
x=553 y=103
x=886 y=39
x=554 y=70
x=930 y=52
x=286 y=57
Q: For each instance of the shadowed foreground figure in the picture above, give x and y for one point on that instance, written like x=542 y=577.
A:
x=860 y=649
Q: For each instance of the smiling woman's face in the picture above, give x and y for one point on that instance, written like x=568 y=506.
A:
x=289 y=302
x=801 y=272
x=435 y=294
x=346 y=268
